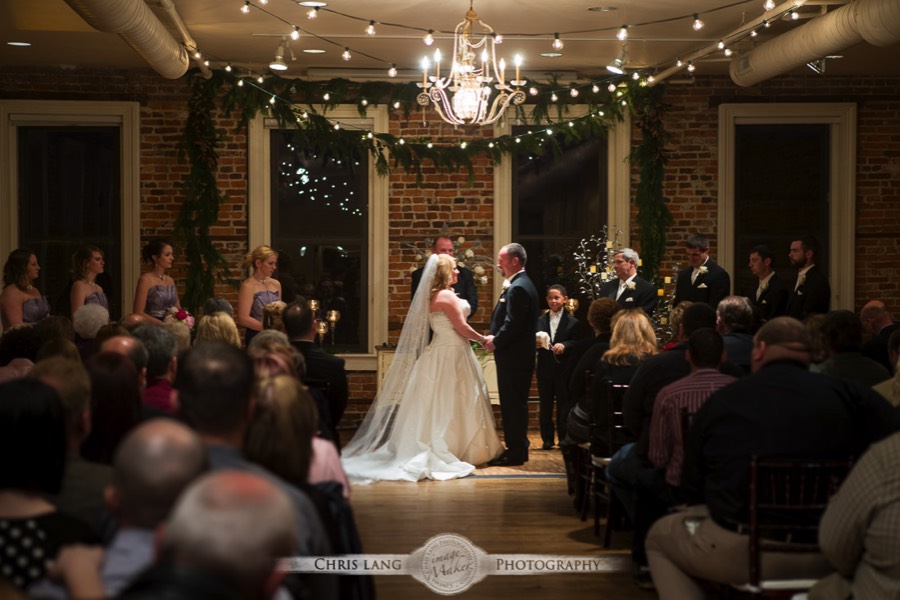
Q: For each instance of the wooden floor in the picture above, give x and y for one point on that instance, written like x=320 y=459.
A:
x=500 y=514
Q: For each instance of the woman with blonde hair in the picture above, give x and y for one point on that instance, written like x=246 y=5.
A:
x=217 y=327
x=258 y=290
x=282 y=436
x=432 y=417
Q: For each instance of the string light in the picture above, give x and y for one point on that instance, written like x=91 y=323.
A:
x=728 y=52
x=326 y=97
x=720 y=45
x=698 y=24
x=392 y=72
x=272 y=100
x=678 y=62
x=197 y=54
x=769 y=5
x=611 y=87
x=402 y=142
x=263 y=2
x=754 y=33
x=246 y=7
x=429 y=37
x=260 y=79
x=463 y=145
x=498 y=39
x=573 y=92
x=313 y=13
x=622 y=35
x=370 y=30
x=595 y=88
x=766 y=23
x=553 y=97
x=228 y=68
x=691 y=66
x=240 y=83
x=533 y=91
x=397 y=104
x=557 y=43
x=794 y=15
x=295 y=34
x=346 y=54
x=364 y=102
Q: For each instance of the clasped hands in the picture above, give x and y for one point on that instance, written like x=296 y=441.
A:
x=488 y=343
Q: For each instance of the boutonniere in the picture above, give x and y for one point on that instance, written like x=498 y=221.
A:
x=763 y=286
x=630 y=285
x=801 y=279
x=704 y=270
x=505 y=284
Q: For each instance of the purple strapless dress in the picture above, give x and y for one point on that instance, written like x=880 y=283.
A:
x=160 y=298
x=35 y=309
x=260 y=299
x=97 y=298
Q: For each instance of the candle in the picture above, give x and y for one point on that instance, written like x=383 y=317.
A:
x=437 y=64
x=593 y=268
x=660 y=292
x=502 y=70
x=518 y=67
x=663 y=321
x=640 y=262
x=424 y=72
x=608 y=244
x=668 y=280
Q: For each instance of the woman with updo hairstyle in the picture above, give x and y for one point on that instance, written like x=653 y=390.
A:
x=156 y=292
x=258 y=290
x=217 y=327
x=87 y=264
x=20 y=301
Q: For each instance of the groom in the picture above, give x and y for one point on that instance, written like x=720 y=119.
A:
x=513 y=326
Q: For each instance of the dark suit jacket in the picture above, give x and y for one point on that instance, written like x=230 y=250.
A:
x=549 y=364
x=710 y=287
x=513 y=324
x=813 y=297
x=877 y=347
x=464 y=287
x=773 y=301
x=326 y=367
x=642 y=296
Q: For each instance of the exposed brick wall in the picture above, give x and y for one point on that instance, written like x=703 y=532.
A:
x=463 y=207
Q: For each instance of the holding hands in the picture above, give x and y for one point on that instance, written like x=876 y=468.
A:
x=488 y=343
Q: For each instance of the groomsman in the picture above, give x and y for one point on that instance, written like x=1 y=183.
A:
x=703 y=280
x=551 y=364
x=629 y=290
x=812 y=294
x=512 y=342
x=465 y=282
x=770 y=297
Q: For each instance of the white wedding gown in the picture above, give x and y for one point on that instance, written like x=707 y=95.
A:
x=444 y=425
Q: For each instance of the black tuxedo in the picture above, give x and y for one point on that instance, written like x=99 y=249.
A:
x=709 y=287
x=812 y=297
x=513 y=327
x=773 y=301
x=877 y=347
x=464 y=287
x=642 y=296
x=551 y=369
x=328 y=368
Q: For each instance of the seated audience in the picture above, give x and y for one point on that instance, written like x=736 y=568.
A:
x=218 y=327
x=18 y=352
x=842 y=332
x=858 y=531
x=162 y=363
x=780 y=410
x=134 y=349
x=676 y=316
x=33 y=444
x=181 y=333
x=87 y=321
x=223 y=540
x=878 y=324
x=818 y=350
x=734 y=322
x=58 y=347
x=890 y=388
x=81 y=493
x=214 y=305
x=109 y=330
x=116 y=404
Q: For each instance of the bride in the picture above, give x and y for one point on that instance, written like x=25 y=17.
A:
x=432 y=418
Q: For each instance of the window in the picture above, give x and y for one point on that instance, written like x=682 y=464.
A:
x=330 y=222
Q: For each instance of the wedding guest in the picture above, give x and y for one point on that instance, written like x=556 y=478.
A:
x=676 y=315
x=162 y=350
x=465 y=283
x=33 y=430
x=628 y=289
x=88 y=320
x=811 y=293
x=181 y=333
x=890 y=388
x=258 y=290
x=771 y=294
x=272 y=357
x=818 y=349
x=217 y=327
x=878 y=323
x=560 y=330
x=842 y=331
x=87 y=264
x=702 y=280
x=18 y=352
x=734 y=322
x=58 y=347
x=156 y=294
x=213 y=305
x=108 y=331
x=20 y=301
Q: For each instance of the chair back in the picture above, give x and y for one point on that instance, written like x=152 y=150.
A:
x=608 y=420
x=786 y=500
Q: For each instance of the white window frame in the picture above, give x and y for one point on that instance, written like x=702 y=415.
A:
x=841 y=119
x=260 y=219
x=19 y=113
x=618 y=169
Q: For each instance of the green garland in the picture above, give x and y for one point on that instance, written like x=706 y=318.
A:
x=303 y=105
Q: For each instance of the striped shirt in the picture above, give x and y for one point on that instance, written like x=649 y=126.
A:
x=666 y=441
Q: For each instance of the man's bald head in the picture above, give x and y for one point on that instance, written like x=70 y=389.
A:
x=128 y=346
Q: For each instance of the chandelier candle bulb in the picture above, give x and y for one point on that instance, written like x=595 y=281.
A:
x=668 y=280
x=437 y=63
x=503 y=71
x=518 y=60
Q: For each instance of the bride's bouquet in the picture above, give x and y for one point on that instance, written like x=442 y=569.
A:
x=175 y=314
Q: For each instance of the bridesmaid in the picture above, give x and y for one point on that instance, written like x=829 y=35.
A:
x=156 y=292
x=20 y=302
x=258 y=290
x=87 y=263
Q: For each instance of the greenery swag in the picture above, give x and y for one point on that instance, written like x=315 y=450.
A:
x=303 y=106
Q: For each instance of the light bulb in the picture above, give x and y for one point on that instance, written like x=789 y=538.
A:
x=246 y=7
x=611 y=87
x=370 y=30
x=240 y=83
x=698 y=24
x=364 y=102
x=429 y=37
x=728 y=52
x=574 y=92
x=346 y=54
x=622 y=35
x=595 y=88
x=463 y=145
x=720 y=45
x=326 y=97
x=272 y=100
x=766 y=23
x=313 y=13
x=397 y=104
x=197 y=54
x=228 y=68
x=678 y=62
x=295 y=34
x=635 y=75
x=691 y=67
x=533 y=91
x=557 y=43
x=753 y=33
x=794 y=15
x=769 y=4
x=553 y=97
x=392 y=72
x=498 y=39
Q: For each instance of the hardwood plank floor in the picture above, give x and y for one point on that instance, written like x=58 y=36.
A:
x=501 y=515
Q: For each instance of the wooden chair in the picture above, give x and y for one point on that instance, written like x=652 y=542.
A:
x=786 y=500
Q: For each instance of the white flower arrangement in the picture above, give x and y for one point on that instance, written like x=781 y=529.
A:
x=470 y=258
x=505 y=284
x=704 y=270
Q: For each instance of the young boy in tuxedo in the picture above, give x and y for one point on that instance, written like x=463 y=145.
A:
x=556 y=332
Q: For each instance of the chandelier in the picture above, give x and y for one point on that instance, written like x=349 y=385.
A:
x=465 y=96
